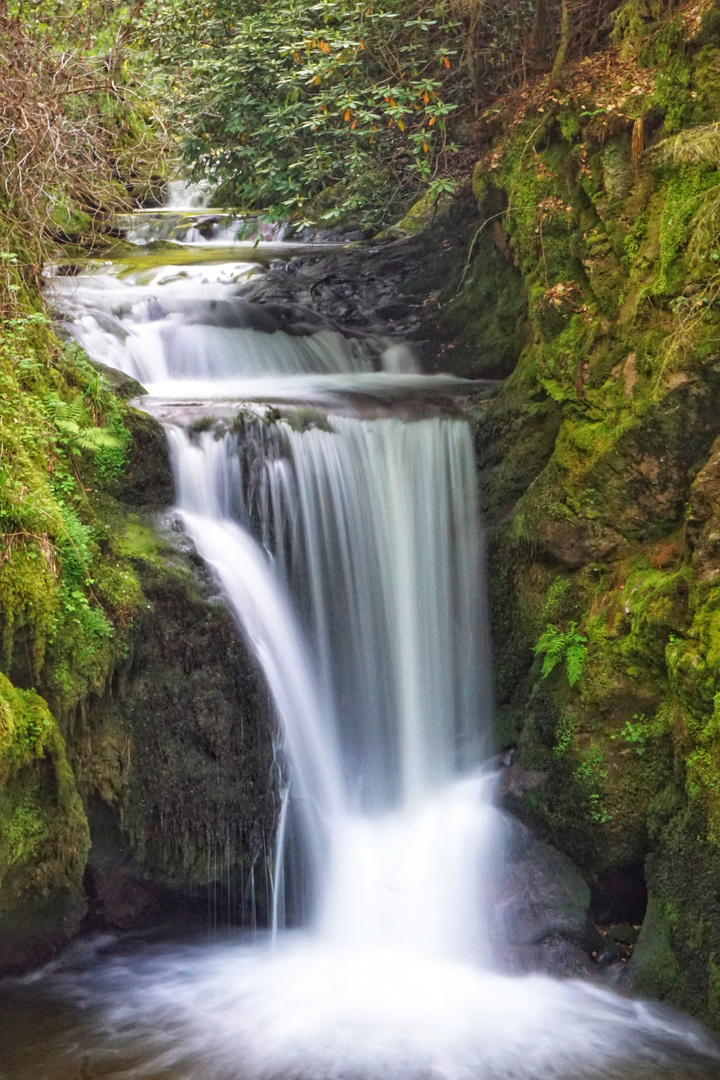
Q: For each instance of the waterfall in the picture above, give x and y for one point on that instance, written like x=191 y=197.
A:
x=193 y=331
x=349 y=549
x=375 y=561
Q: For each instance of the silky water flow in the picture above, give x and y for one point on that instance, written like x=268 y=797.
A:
x=350 y=553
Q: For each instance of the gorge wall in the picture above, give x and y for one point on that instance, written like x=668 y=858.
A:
x=582 y=270
x=135 y=734
x=600 y=471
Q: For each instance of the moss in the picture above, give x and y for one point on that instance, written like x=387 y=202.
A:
x=139 y=667
x=588 y=455
x=138 y=541
x=67 y=605
x=655 y=968
x=44 y=835
x=29 y=597
x=422 y=213
x=50 y=533
x=181 y=750
x=305 y=419
x=474 y=300
x=71 y=223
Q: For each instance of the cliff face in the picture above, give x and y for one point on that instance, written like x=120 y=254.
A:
x=600 y=464
x=135 y=733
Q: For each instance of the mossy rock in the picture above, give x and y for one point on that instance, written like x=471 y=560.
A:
x=599 y=478
x=44 y=836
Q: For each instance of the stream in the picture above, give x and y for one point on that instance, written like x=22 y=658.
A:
x=331 y=489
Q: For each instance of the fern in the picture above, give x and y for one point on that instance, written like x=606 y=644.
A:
x=559 y=645
x=552 y=643
x=75 y=427
x=575 y=658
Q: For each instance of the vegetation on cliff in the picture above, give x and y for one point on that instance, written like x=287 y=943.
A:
x=600 y=470
x=88 y=741
x=65 y=601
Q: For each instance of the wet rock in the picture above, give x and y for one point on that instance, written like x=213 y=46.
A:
x=574 y=544
x=622 y=934
x=358 y=289
x=124 y=385
x=412 y=288
x=543 y=910
x=175 y=759
x=703 y=526
x=33 y=932
x=167 y=757
x=562 y=959
x=147 y=479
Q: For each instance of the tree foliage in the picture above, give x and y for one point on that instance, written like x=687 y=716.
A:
x=330 y=109
x=290 y=99
x=79 y=139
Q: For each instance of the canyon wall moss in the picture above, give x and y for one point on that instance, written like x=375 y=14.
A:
x=600 y=471
x=135 y=732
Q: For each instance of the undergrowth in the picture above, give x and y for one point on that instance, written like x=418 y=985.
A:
x=80 y=139
x=61 y=430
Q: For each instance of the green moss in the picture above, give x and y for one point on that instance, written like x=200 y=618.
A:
x=25 y=727
x=71 y=223
x=422 y=213
x=65 y=605
x=29 y=597
x=44 y=836
x=480 y=302
x=617 y=259
x=305 y=419
x=656 y=970
x=560 y=602
x=137 y=541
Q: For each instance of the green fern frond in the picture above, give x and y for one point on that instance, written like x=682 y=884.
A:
x=575 y=660
x=558 y=646
x=552 y=643
x=97 y=438
x=74 y=424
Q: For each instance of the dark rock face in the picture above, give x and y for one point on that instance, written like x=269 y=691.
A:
x=188 y=780
x=454 y=295
x=174 y=760
x=147 y=482
x=31 y=935
x=703 y=523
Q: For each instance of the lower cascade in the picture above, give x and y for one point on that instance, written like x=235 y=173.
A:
x=348 y=547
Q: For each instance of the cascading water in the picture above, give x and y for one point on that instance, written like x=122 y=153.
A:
x=350 y=554
x=376 y=533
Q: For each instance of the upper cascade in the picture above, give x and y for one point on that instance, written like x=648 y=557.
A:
x=168 y=325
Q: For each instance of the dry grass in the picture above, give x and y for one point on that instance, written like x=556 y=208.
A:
x=691 y=147
x=73 y=129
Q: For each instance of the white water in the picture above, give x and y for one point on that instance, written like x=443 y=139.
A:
x=179 y=329
x=376 y=524
x=351 y=558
